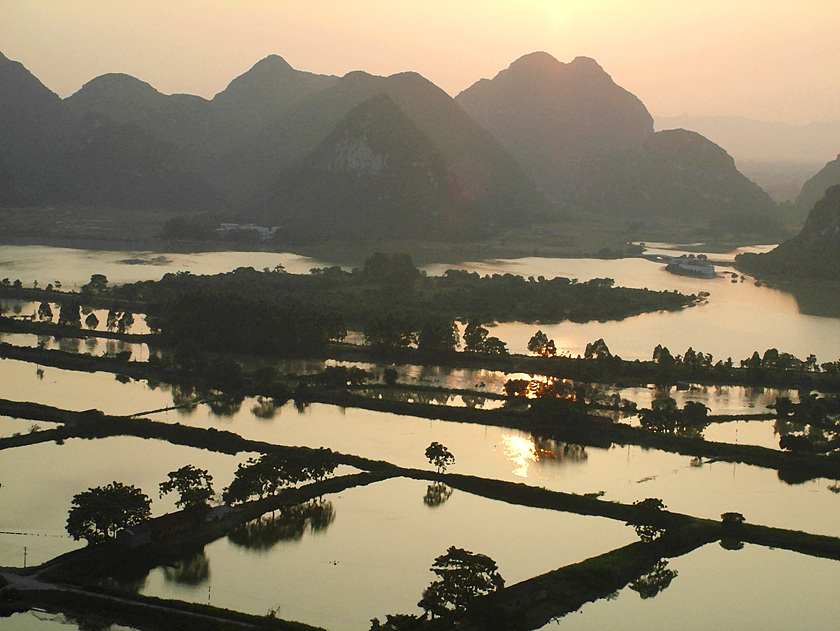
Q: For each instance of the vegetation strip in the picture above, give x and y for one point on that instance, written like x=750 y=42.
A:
x=90 y=424
x=534 y=602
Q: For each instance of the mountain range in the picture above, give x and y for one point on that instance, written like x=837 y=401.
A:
x=362 y=155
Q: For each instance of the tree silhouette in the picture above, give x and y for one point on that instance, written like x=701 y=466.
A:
x=98 y=513
x=462 y=576
x=439 y=456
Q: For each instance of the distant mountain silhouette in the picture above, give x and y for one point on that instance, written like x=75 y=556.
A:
x=814 y=189
x=264 y=141
x=753 y=140
x=179 y=118
x=377 y=175
x=590 y=144
x=33 y=121
x=258 y=97
x=51 y=155
x=553 y=116
x=813 y=253
x=677 y=175
x=202 y=129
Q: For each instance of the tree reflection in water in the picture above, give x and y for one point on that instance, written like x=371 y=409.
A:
x=185 y=398
x=436 y=494
x=224 y=404
x=193 y=570
x=652 y=583
x=547 y=450
x=290 y=524
x=264 y=408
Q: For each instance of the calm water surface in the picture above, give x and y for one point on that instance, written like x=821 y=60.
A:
x=746 y=589
x=738 y=319
x=341 y=577
x=73 y=268
x=39 y=482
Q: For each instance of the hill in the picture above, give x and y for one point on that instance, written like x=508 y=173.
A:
x=678 y=176
x=591 y=145
x=760 y=141
x=377 y=175
x=553 y=116
x=813 y=253
x=814 y=189
x=203 y=130
x=52 y=155
x=33 y=121
x=480 y=163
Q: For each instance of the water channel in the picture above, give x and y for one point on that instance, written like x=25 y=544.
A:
x=357 y=562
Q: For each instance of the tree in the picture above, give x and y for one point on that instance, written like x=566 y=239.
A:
x=97 y=284
x=45 y=312
x=390 y=269
x=389 y=333
x=193 y=485
x=439 y=456
x=539 y=344
x=474 y=337
x=70 y=314
x=113 y=319
x=662 y=356
x=476 y=340
x=695 y=414
x=92 y=321
x=438 y=336
x=126 y=322
x=98 y=513
x=598 y=350
x=462 y=576
x=271 y=472
x=650 y=527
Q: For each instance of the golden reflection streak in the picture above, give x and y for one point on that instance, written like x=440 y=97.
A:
x=521 y=452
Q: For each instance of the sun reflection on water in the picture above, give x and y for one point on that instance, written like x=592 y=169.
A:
x=521 y=452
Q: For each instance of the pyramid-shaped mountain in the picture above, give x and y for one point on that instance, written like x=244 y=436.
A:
x=485 y=169
x=376 y=175
x=677 y=176
x=813 y=253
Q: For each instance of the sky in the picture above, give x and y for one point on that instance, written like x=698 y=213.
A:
x=771 y=60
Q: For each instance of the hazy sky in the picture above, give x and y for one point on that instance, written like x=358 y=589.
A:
x=774 y=60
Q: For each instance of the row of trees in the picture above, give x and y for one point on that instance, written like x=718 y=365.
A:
x=394 y=332
x=97 y=514
x=772 y=361
x=70 y=314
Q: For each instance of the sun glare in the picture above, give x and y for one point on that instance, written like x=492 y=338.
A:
x=521 y=452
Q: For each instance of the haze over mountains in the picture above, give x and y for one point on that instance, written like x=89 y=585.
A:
x=590 y=145
x=370 y=156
